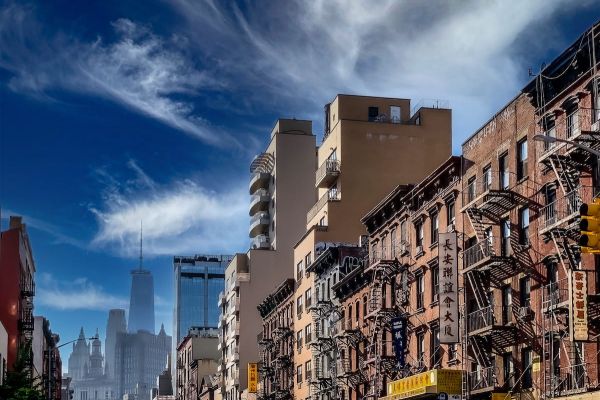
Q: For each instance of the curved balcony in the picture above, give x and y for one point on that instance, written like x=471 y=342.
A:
x=259 y=201
x=261 y=242
x=259 y=180
x=259 y=224
x=327 y=173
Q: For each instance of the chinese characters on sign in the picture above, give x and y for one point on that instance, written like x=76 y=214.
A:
x=399 y=336
x=448 y=289
x=578 y=305
x=252 y=377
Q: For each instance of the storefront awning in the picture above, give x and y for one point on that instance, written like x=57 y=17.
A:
x=436 y=381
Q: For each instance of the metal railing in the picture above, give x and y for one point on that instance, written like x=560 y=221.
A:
x=328 y=167
x=576 y=378
x=560 y=209
x=331 y=195
x=483 y=378
x=486 y=181
x=429 y=103
x=396 y=250
x=489 y=316
x=556 y=293
x=570 y=127
x=491 y=246
x=256 y=218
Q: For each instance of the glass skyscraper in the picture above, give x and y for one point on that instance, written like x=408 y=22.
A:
x=198 y=282
x=141 y=302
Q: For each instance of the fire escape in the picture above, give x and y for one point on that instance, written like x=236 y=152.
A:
x=560 y=226
x=348 y=337
x=324 y=380
x=488 y=263
x=384 y=267
x=267 y=352
x=282 y=363
x=26 y=324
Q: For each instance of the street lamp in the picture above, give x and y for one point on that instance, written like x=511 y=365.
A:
x=552 y=139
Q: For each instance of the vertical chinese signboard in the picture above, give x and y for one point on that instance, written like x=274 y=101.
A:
x=578 y=305
x=448 y=289
x=399 y=336
x=252 y=377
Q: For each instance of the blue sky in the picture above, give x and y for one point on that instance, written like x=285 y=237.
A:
x=112 y=112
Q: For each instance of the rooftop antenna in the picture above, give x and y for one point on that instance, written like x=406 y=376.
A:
x=141 y=244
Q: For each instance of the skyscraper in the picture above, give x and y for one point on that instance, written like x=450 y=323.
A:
x=141 y=302
x=116 y=324
x=198 y=281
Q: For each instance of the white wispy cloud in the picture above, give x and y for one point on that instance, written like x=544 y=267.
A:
x=181 y=217
x=149 y=74
x=78 y=294
x=303 y=53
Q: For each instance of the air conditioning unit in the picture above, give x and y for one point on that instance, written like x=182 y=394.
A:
x=419 y=249
x=596 y=126
x=451 y=228
x=526 y=313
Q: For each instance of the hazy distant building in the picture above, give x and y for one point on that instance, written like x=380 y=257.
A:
x=86 y=370
x=79 y=360
x=141 y=301
x=116 y=324
x=139 y=358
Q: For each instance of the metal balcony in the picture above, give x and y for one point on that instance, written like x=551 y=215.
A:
x=581 y=126
x=494 y=193
x=330 y=196
x=560 y=211
x=261 y=242
x=556 y=296
x=259 y=224
x=483 y=380
x=259 y=180
x=259 y=201
x=494 y=254
x=27 y=288
x=576 y=378
x=327 y=173
x=498 y=322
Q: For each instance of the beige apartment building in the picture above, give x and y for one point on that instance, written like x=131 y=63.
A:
x=197 y=358
x=282 y=190
x=370 y=145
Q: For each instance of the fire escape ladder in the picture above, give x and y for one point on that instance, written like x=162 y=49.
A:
x=478 y=287
x=476 y=218
x=481 y=350
x=567 y=177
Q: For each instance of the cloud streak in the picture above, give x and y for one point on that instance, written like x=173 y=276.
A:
x=78 y=294
x=148 y=74
x=182 y=217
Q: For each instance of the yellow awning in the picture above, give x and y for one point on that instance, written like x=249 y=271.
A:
x=430 y=382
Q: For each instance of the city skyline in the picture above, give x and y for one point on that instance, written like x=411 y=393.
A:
x=178 y=164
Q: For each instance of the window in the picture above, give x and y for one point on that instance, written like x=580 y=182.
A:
x=395 y=114
x=506 y=304
x=357 y=311
x=521 y=159
x=299 y=339
x=435 y=283
x=596 y=100
x=403 y=238
x=450 y=211
x=308 y=260
x=421 y=349
x=393 y=243
x=308 y=334
x=503 y=171
x=525 y=291
x=436 y=349
x=505 y=242
x=350 y=316
x=322 y=221
x=299 y=374
x=308 y=369
x=573 y=123
x=308 y=298
x=364 y=307
x=526 y=360
x=524 y=226
x=299 y=307
x=419 y=233
x=507 y=362
x=420 y=291
x=471 y=189
x=373 y=113
x=487 y=178
x=452 y=352
x=299 y=271
x=435 y=227
x=550 y=131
